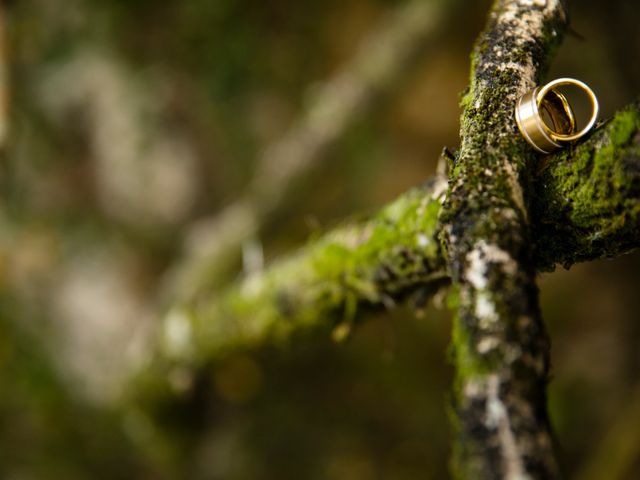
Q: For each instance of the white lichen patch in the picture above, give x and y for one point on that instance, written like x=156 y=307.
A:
x=477 y=269
x=485 y=310
x=497 y=417
x=533 y=3
x=422 y=240
x=474 y=388
x=487 y=344
x=479 y=260
x=481 y=256
x=496 y=410
x=511 y=9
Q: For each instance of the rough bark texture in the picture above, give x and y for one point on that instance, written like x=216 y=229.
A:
x=500 y=346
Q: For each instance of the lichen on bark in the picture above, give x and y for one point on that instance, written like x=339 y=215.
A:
x=499 y=339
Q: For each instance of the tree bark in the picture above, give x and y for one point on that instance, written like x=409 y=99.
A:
x=500 y=347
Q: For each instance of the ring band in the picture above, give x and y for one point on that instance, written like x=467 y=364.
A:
x=532 y=125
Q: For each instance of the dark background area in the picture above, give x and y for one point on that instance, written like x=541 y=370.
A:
x=130 y=121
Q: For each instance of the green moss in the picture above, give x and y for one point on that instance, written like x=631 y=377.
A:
x=462 y=355
x=589 y=195
x=326 y=283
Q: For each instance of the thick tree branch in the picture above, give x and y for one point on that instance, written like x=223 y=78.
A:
x=499 y=342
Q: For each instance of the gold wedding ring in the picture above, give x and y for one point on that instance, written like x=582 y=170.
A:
x=547 y=99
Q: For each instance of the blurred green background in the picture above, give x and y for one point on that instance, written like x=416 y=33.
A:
x=132 y=122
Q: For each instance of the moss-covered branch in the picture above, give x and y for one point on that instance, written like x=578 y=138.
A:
x=378 y=261
x=586 y=201
x=374 y=262
x=499 y=344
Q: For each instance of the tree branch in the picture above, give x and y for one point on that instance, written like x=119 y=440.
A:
x=499 y=342
x=394 y=254
x=375 y=262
